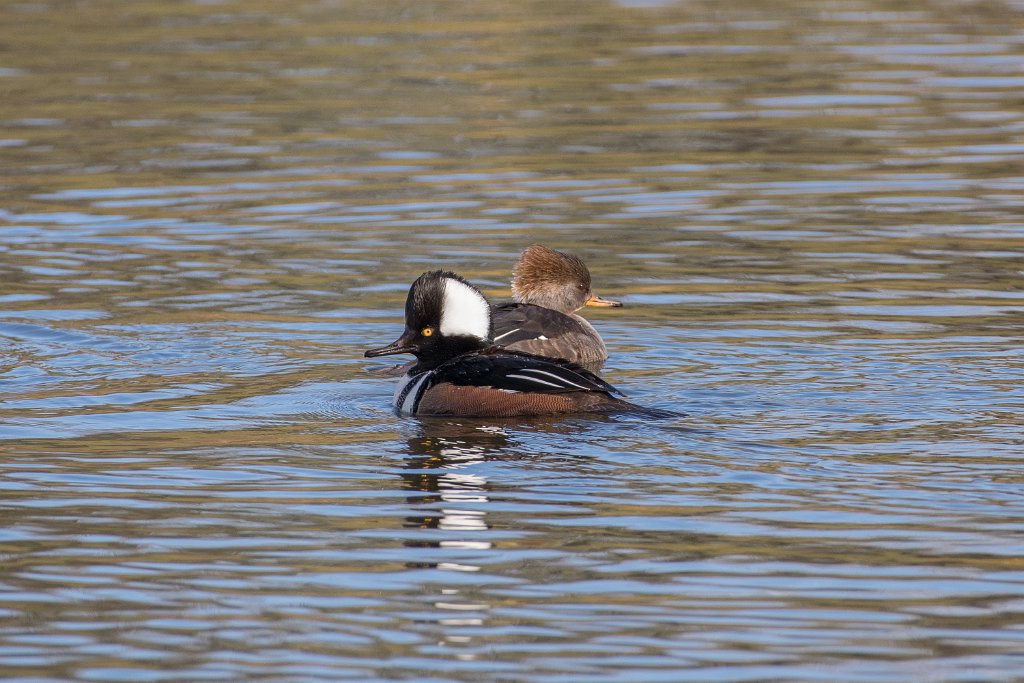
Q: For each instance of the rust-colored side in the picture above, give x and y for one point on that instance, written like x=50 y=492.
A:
x=469 y=401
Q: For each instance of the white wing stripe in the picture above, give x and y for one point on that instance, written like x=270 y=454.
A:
x=538 y=381
x=558 y=377
x=506 y=334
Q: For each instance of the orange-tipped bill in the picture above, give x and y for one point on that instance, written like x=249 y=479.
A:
x=595 y=300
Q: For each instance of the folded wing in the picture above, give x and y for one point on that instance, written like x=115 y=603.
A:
x=525 y=322
x=523 y=372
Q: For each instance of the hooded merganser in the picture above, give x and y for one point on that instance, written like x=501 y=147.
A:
x=459 y=372
x=548 y=287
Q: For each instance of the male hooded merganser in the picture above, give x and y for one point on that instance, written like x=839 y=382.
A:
x=459 y=372
x=548 y=287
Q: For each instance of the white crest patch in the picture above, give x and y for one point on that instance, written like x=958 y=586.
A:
x=464 y=311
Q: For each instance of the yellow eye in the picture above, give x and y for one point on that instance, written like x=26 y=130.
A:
x=427 y=331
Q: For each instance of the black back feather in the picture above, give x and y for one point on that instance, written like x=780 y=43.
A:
x=515 y=371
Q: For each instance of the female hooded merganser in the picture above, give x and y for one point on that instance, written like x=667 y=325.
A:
x=459 y=372
x=548 y=287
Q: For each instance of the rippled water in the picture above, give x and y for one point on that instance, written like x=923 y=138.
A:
x=812 y=211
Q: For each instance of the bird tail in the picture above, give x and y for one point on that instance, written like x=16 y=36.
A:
x=610 y=404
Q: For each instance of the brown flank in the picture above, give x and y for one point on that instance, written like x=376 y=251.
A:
x=451 y=399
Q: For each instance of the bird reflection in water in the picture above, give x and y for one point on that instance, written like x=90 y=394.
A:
x=450 y=494
x=451 y=506
x=452 y=497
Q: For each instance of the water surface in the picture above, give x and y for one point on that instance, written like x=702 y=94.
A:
x=813 y=213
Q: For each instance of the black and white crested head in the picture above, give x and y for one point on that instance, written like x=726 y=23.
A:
x=445 y=300
x=445 y=316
